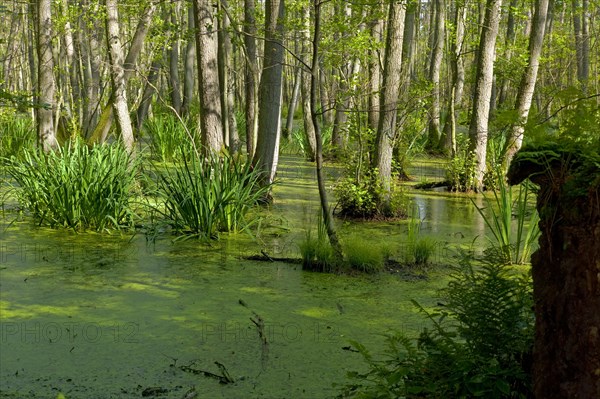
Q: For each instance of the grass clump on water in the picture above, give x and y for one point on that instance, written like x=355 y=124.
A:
x=203 y=198
x=77 y=186
x=363 y=255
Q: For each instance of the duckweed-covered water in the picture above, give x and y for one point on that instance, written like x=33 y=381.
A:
x=99 y=316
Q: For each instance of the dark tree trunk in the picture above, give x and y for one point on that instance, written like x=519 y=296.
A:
x=565 y=270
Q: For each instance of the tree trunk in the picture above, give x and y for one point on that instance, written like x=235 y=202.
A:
x=566 y=287
x=527 y=87
x=289 y=123
x=117 y=74
x=478 y=129
x=225 y=54
x=386 y=130
x=509 y=43
x=582 y=41
x=375 y=62
x=437 y=53
x=190 y=59
x=307 y=104
x=327 y=217
x=266 y=155
x=46 y=87
x=458 y=77
x=208 y=82
x=251 y=74
x=149 y=90
x=174 y=82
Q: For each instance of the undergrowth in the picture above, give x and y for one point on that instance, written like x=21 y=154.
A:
x=479 y=343
x=77 y=186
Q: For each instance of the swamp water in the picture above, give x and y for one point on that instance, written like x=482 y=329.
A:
x=99 y=316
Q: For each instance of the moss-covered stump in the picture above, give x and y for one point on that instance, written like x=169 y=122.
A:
x=566 y=269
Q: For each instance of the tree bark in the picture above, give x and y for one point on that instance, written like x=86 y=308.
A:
x=306 y=89
x=386 y=130
x=251 y=74
x=289 y=123
x=437 y=53
x=46 y=86
x=266 y=155
x=190 y=59
x=174 y=81
x=458 y=76
x=327 y=217
x=117 y=75
x=478 y=128
x=566 y=287
x=374 y=67
x=208 y=82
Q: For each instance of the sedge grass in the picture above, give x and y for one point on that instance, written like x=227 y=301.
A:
x=203 y=198
x=76 y=186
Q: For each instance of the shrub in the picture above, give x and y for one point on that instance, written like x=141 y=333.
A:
x=204 y=198
x=77 y=186
x=364 y=198
x=460 y=172
x=479 y=344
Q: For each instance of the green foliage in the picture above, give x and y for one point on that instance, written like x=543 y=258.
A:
x=479 y=344
x=204 y=198
x=514 y=247
x=170 y=137
x=363 y=198
x=17 y=134
x=76 y=186
x=363 y=255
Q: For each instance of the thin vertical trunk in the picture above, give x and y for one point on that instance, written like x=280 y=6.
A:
x=251 y=74
x=409 y=47
x=117 y=74
x=582 y=41
x=190 y=60
x=149 y=90
x=458 y=76
x=437 y=53
x=208 y=82
x=174 y=81
x=307 y=104
x=478 y=129
x=46 y=86
x=375 y=63
x=386 y=131
x=528 y=80
x=509 y=43
x=266 y=155
x=326 y=211
x=289 y=123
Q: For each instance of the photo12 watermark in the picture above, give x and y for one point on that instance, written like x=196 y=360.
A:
x=34 y=332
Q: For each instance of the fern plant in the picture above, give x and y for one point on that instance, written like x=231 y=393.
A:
x=478 y=345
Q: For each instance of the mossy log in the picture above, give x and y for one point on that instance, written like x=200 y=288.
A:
x=565 y=268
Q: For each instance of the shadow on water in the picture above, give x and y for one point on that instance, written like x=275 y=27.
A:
x=97 y=316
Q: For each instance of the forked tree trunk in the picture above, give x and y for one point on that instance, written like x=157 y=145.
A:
x=528 y=80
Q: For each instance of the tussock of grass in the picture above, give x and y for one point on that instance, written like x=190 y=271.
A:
x=204 y=198
x=77 y=186
x=363 y=255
